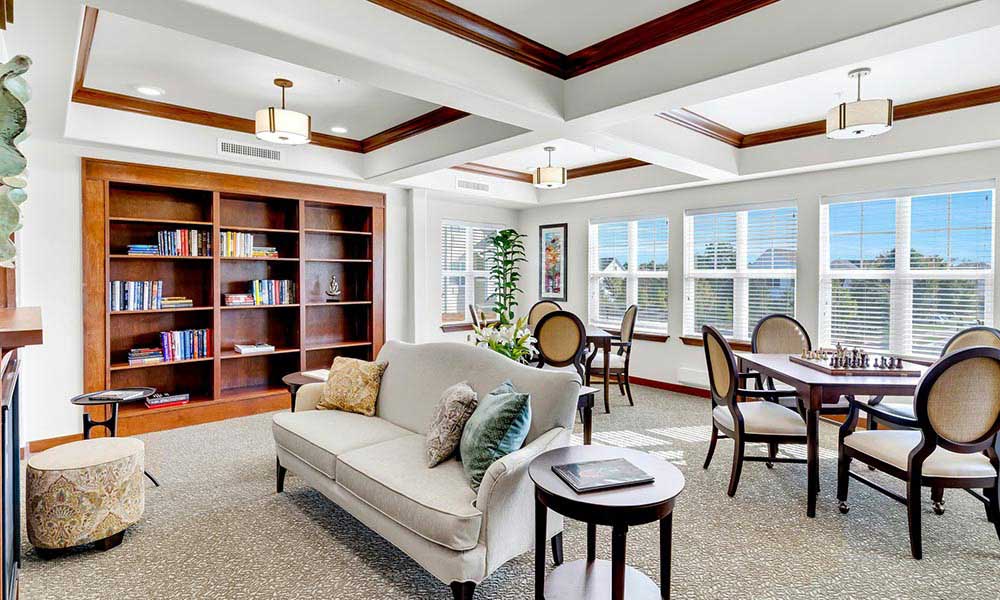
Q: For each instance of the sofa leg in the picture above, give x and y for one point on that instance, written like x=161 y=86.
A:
x=281 y=471
x=463 y=590
x=557 y=549
x=110 y=542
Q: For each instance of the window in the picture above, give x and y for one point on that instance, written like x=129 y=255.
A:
x=464 y=276
x=904 y=272
x=628 y=265
x=739 y=267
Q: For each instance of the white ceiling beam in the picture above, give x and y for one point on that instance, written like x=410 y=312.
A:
x=628 y=182
x=779 y=42
x=502 y=192
x=668 y=145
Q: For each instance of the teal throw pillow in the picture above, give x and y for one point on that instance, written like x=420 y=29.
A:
x=497 y=427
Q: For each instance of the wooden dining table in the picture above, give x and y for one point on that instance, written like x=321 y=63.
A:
x=816 y=388
x=602 y=340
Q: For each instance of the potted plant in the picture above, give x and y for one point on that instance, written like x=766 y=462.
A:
x=507 y=335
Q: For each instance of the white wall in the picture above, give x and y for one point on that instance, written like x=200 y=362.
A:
x=50 y=272
x=674 y=362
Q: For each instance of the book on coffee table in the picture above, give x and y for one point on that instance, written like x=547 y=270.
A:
x=317 y=374
x=593 y=475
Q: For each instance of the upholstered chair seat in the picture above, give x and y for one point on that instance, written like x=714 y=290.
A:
x=764 y=418
x=893 y=446
x=617 y=361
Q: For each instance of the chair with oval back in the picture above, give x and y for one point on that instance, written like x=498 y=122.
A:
x=540 y=309
x=618 y=362
x=744 y=421
x=561 y=338
x=955 y=445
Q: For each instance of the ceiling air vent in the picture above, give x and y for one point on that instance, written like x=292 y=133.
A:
x=468 y=185
x=249 y=152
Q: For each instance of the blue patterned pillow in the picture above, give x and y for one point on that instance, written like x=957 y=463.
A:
x=498 y=427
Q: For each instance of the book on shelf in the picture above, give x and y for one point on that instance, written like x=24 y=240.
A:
x=176 y=302
x=145 y=356
x=239 y=244
x=165 y=399
x=269 y=292
x=186 y=344
x=594 y=475
x=135 y=295
x=265 y=251
x=253 y=348
x=238 y=299
x=317 y=374
x=179 y=242
x=143 y=250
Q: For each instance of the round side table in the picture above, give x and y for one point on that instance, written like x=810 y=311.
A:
x=111 y=423
x=617 y=508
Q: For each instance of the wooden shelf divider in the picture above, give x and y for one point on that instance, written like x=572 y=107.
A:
x=341 y=232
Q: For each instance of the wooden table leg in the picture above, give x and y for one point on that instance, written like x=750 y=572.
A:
x=591 y=542
x=540 y=515
x=812 y=448
x=588 y=422
x=666 y=531
x=618 y=533
x=607 y=373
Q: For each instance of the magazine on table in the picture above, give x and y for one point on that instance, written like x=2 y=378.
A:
x=594 y=475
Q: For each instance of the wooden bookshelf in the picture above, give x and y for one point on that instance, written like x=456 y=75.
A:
x=318 y=232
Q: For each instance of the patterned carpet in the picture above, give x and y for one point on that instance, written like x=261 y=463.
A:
x=216 y=529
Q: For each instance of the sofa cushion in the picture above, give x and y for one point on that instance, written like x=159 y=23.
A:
x=393 y=478
x=352 y=386
x=319 y=436
x=498 y=427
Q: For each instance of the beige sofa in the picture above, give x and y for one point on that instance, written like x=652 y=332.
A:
x=374 y=467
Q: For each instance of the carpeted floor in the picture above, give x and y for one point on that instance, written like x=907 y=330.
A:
x=216 y=529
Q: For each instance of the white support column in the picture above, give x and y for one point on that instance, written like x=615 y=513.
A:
x=741 y=283
x=901 y=291
x=420 y=305
x=631 y=282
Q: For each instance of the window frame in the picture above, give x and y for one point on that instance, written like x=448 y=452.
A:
x=631 y=276
x=902 y=276
x=469 y=274
x=741 y=275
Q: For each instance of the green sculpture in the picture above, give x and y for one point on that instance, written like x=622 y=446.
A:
x=14 y=92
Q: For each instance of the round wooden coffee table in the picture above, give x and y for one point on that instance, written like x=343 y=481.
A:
x=619 y=509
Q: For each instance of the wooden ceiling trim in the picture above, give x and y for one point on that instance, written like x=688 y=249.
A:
x=494 y=172
x=671 y=26
x=83 y=52
x=469 y=26
x=783 y=134
x=605 y=167
x=425 y=122
x=703 y=125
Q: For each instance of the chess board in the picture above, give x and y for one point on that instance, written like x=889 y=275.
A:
x=823 y=365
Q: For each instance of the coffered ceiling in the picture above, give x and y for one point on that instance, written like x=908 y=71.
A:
x=568 y=154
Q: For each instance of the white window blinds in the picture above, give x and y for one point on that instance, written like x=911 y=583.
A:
x=628 y=265
x=739 y=267
x=903 y=274
x=464 y=276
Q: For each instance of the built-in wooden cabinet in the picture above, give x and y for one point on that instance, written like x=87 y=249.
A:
x=318 y=232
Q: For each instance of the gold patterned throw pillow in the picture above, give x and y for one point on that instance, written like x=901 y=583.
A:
x=352 y=386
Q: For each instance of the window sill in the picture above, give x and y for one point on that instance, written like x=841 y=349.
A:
x=638 y=335
x=740 y=345
x=451 y=327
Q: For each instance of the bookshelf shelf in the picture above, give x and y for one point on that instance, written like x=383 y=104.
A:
x=166 y=363
x=340 y=231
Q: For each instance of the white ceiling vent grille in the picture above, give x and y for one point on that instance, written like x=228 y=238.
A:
x=468 y=185
x=249 y=152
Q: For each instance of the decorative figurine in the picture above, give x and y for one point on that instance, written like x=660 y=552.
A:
x=333 y=290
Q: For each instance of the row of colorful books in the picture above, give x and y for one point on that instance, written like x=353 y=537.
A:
x=135 y=295
x=186 y=344
x=240 y=244
x=267 y=292
x=179 y=242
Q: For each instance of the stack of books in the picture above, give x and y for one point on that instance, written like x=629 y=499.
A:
x=145 y=356
x=143 y=250
x=253 y=348
x=186 y=344
x=265 y=251
x=267 y=292
x=164 y=399
x=176 y=302
x=238 y=299
x=184 y=242
x=135 y=295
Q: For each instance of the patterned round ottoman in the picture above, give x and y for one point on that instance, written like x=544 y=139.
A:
x=82 y=492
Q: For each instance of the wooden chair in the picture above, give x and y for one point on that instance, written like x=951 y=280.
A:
x=540 y=309
x=782 y=334
x=561 y=338
x=749 y=422
x=619 y=360
x=957 y=409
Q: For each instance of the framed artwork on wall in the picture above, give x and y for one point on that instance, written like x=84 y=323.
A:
x=552 y=261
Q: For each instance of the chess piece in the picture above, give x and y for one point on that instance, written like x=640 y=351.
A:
x=333 y=290
x=805 y=353
x=899 y=362
x=883 y=365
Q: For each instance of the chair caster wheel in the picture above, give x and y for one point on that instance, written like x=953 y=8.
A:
x=871 y=468
x=769 y=465
x=844 y=508
x=939 y=508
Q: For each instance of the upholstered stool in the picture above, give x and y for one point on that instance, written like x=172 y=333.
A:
x=86 y=491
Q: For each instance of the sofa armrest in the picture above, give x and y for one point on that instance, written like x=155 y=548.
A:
x=308 y=396
x=507 y=500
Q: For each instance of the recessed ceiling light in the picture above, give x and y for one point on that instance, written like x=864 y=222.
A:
x=338 y=129
x=150 y=90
